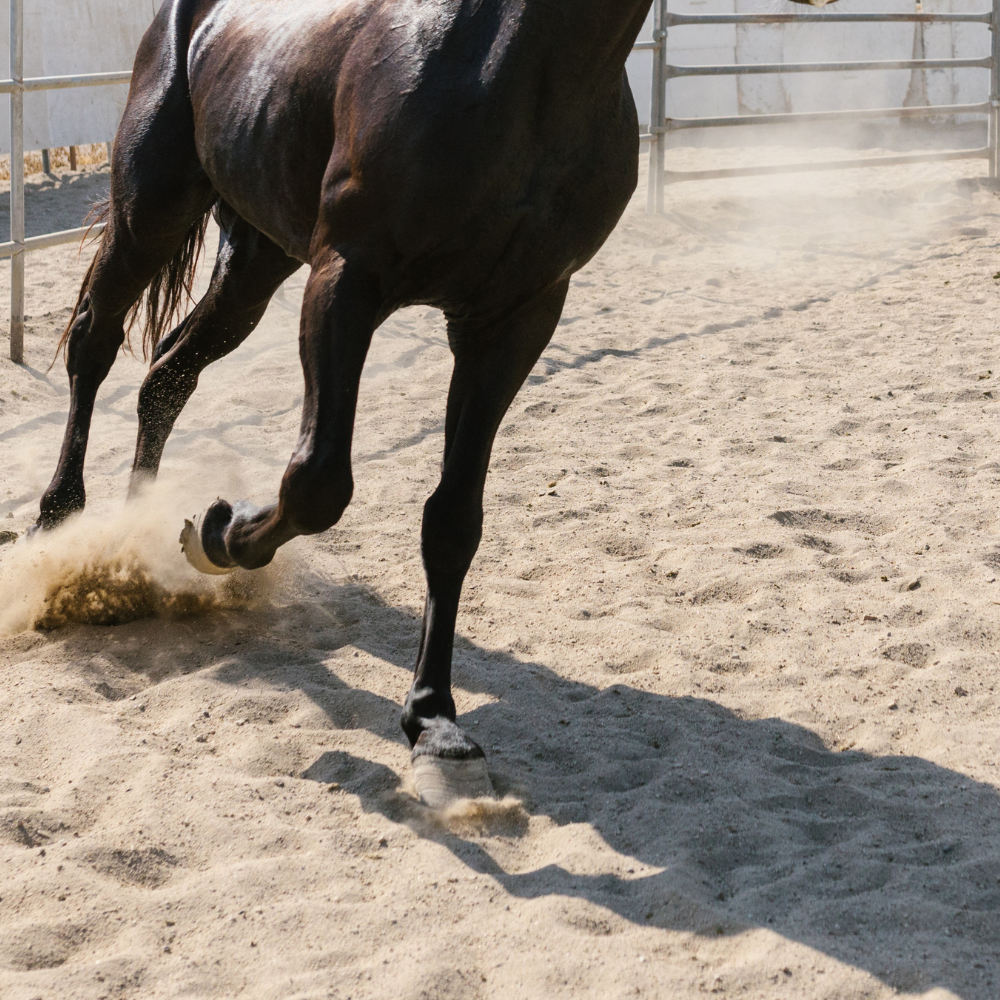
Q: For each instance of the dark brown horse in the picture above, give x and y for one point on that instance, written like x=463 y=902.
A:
x=465 y=154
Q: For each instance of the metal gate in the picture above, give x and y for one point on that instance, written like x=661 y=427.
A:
x=663 y=71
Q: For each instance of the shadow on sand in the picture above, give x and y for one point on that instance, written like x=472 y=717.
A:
x=888 y=864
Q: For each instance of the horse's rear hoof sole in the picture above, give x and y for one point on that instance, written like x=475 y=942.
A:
x=440 y=781
x=195 y=552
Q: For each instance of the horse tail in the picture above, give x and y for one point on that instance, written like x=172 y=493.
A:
x=166 y=294
x=169 y=291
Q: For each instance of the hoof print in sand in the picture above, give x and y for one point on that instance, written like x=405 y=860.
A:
x=820 y=544
x=353 y=774
x=913 y=654
x=761 y=550
x=40 y=946
x=824 y=520
x=149 y=867
x=625 y=546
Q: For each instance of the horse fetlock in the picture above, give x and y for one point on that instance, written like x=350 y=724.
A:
x=253 y=537
x=59 y=502
x=444 y=738
x=142 y=477
x=426 y=709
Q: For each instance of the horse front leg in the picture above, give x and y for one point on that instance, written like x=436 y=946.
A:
x=490 y=366
x=339 y=313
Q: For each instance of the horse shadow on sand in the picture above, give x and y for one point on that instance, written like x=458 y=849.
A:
x=888 y=864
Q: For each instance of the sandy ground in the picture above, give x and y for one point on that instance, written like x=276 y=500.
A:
x=738 y=664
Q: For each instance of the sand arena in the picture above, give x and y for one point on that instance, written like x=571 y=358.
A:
x=729 y=642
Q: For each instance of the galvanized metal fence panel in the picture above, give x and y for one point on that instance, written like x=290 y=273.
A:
x=663 y=71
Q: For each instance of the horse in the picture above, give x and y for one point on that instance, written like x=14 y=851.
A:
x=468 y=155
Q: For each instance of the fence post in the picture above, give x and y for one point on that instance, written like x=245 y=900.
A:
x=657 y=109
x=17 y=181
x=994 y=117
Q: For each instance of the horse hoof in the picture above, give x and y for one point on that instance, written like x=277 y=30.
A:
x=440 y=781
x=193 y=546
x=448 y=765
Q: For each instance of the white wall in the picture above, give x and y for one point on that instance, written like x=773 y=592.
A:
x=74 y=36
x=701 y=96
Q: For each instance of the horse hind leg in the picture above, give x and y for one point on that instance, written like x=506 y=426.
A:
x=248 y=270
x=135 y=248
x=156 y=216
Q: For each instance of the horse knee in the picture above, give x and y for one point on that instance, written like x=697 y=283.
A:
x=450 y=534
x=314 y=499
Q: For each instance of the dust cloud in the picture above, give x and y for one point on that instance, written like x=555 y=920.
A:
x=110 y=568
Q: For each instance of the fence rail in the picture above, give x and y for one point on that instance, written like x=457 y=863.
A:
x=672 y=20
x=661 y=125
x=751 y=69
x=17 y=86
x=675 y=124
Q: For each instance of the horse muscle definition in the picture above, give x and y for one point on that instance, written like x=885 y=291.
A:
x=464 y=154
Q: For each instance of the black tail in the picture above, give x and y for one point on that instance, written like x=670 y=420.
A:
x=165 y=296
x=169 y=291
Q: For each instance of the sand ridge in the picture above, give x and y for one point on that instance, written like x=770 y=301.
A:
x=729 y=641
